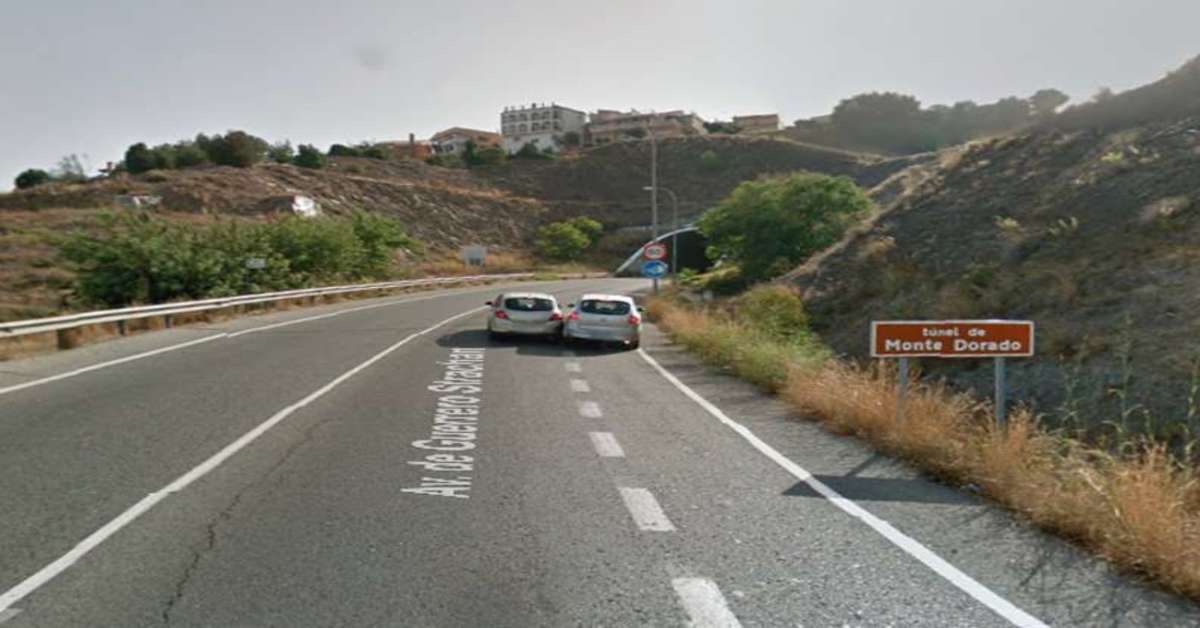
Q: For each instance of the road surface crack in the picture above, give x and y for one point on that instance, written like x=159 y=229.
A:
x=224 y=515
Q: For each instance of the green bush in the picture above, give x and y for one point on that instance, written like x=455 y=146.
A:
x=530 y=151
x=281 y=152
x=138 y=258
x=309 y=156
x=709 y=161
x=235 y=148
x=447 y=160
x=139 y=158
x=187 y=155
x=341 y=150
x=31 y=178
x=589 y=227
x=374 y=151
x=770 y=225
x=492 y=156
x=561 y=241
x=776 y=311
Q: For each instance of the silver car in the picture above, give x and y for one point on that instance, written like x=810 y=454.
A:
x=525 y=313
x=604 y=318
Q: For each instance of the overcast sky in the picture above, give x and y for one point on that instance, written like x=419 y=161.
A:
x=92 y=77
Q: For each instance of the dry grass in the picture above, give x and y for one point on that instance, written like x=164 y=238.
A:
x=1139 y=507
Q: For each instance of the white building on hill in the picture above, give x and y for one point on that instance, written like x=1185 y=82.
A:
x=539 y=124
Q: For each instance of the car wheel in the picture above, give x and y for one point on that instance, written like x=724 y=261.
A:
x=495 y=335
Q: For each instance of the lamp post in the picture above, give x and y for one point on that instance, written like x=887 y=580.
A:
x=674 y=229
x=654 y=189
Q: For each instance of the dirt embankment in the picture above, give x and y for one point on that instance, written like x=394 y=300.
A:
x=1093 y=233
x=607 y=182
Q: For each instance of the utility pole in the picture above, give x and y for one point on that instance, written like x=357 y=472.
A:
x=674 y=229
x=654 y=192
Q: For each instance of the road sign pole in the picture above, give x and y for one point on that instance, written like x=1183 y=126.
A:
x=1000 y=414
x=901 y=388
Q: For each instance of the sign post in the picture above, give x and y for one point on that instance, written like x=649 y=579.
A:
x=654 y=267
x=996 y=339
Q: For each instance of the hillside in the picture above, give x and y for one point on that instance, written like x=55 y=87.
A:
x=499 y=205
x=1089 y=226
x=606 y=182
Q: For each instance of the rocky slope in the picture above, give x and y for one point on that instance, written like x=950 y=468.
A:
x=1089 y=225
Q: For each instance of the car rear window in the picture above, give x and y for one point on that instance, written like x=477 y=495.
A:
x=528 y=304
x=611 y=308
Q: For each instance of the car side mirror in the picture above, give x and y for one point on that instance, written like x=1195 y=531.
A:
x=488 y=303
x=570 y=305
x=642 y=310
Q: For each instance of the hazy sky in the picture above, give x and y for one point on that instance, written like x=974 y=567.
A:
x=92 y=77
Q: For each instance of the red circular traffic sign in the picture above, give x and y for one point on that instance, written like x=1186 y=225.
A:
x=655 y=250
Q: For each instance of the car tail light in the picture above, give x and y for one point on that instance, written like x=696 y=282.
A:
x=573 y=316
x=557 y=316
x=634 y=319
x=502 y=314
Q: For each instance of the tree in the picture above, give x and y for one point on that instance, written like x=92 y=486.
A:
x=530 y=151
x=373 y=151
x=770 y=225
x=341 y=150
x=139 y=158
x=561 y=241
x=32 y=177
x=884 y=119
x=309 y=156
x=589 y=227
x=187 y=154
x=281 y=152
x=70 y=168
x=572 y=139
x=721 y=126
x=164 y=157
x=1045 y=102
x=235 y=148
x=470 y=154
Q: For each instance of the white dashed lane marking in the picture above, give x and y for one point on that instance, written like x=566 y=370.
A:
x=606 y=445
x=580 y=386
x=573 y=367
x=646 y=512
x=704 y=603
x=590 y=409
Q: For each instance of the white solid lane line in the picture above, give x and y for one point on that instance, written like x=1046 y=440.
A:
x=6 y=615
x=580 y=386
x=952 y=574
x=573 y=367
x=704 y=603
x=590 y=410
x=606 y=445
x=647 y=514
x=96 y=367
x=47 y=573
x=341 y=312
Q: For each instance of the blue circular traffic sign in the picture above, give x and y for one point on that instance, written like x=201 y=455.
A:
x=654 y=269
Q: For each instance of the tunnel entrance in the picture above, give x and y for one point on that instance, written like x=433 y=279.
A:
x=690 y=245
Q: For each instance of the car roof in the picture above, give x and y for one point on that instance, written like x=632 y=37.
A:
x=606 y=297
x=529 y=295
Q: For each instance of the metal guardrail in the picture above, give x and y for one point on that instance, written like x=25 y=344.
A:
x=119 y=316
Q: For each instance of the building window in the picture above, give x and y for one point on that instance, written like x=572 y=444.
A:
x=522 y=128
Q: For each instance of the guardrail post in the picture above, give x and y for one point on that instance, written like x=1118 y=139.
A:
x=168 y=321
x=121 y=327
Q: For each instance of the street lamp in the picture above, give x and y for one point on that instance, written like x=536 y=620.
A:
x=674 y=228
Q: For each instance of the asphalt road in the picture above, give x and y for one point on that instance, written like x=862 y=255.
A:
x=383 y=463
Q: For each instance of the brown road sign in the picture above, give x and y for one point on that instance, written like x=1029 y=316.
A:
x=951 y=339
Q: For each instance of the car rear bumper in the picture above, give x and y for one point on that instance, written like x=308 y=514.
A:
x=603 y=334
x=550 y=328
